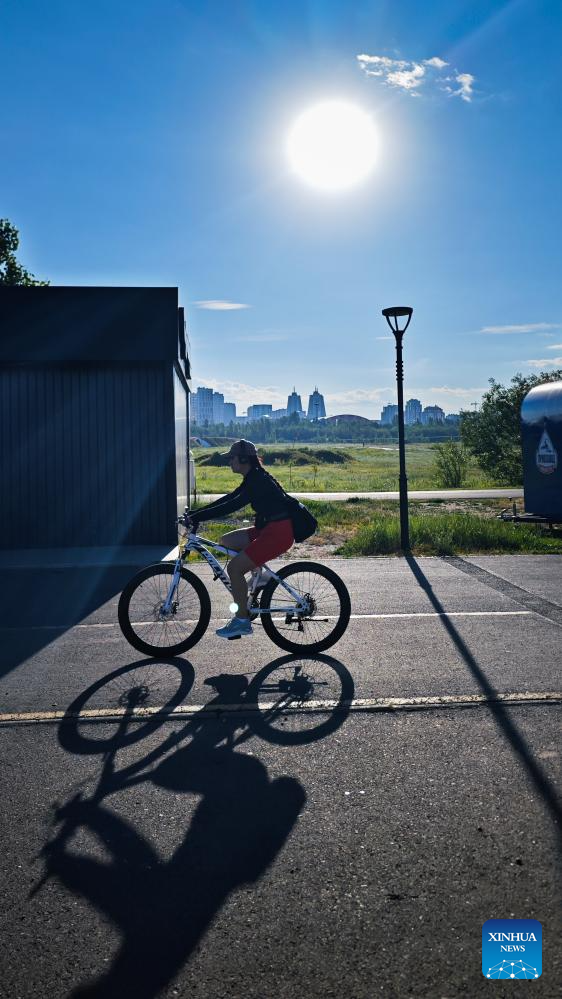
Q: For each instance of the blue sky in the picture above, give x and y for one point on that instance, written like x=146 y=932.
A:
x=145 y=143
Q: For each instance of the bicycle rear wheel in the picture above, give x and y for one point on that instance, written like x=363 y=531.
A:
x=328 y=608
x=142 y=618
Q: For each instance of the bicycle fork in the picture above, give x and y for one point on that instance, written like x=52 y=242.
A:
x=166 y=607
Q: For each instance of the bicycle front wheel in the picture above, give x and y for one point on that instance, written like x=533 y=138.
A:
x=152 y=629
x=328 y=608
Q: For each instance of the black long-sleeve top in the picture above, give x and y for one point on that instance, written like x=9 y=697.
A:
x=266 y=497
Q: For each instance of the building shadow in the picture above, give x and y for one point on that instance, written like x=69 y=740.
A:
x=38 y=605
x=499 y=711
x=162 y=908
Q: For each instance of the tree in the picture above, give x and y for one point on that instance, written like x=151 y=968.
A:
x=451 y=464
x=493 y=433
x=12 y=272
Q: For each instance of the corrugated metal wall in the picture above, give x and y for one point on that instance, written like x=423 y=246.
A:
x=87 y=455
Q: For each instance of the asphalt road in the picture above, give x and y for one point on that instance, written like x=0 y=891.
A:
x=353 y=848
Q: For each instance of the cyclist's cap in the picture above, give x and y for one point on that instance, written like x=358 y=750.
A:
x=241 y=449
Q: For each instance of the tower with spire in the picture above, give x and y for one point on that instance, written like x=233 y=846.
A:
x=316 y=407
x=294 y=404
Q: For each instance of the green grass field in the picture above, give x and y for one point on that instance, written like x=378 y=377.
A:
x=369 y=527
x=368 y=469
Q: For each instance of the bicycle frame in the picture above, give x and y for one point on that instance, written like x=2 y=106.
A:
x=194 y=543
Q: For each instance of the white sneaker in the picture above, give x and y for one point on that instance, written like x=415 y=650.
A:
x=236 y=628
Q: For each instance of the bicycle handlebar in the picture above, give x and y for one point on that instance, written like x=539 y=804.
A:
x=185 y=519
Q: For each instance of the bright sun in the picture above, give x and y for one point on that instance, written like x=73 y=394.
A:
x=332 y=145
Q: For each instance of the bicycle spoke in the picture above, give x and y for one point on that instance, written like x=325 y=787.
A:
x=148 y=620
x=323 y=594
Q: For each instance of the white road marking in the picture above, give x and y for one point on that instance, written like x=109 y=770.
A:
x=357 y=704
x=329 y=617
x=448 y=614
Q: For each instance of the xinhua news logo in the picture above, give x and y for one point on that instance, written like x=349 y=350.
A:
x=512 y=948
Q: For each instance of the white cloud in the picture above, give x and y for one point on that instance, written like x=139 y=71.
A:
x=246 y=395
x=545 y=362
x=384 y=338
x=413 y=77
x=459 y=393
x=353 y=396
x=406 y=79
x=521 y=328
x=466 y=87
x=451 y=399
x=217 y=305
x=553 y=346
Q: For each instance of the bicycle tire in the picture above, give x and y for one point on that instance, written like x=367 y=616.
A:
x=282 y=636
x=146 y=682
x=202 y=611
x=277 y=686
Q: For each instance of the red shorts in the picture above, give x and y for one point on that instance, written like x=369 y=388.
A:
x=270 y=541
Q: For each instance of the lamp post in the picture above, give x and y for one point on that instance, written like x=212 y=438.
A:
x=392 y=316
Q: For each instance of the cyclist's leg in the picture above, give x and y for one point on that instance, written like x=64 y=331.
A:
x=274 y=540
x=238 y=540
x=269 y=542
x=237 y=569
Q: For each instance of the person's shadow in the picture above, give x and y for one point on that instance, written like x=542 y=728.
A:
x=162 y=908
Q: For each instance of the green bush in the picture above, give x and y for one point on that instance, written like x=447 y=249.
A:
x=451 y=465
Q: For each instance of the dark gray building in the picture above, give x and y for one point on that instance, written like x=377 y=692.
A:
x=94 y=416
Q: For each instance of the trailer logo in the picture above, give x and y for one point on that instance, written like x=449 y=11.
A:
x=547 y=455
x=512 y=948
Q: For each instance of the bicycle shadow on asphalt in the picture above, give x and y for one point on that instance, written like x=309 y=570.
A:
x=162 y=908
x=500 y=713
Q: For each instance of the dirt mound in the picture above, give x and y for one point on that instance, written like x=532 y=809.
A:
x=284 y=456
x=304 y=456
x=214 y=458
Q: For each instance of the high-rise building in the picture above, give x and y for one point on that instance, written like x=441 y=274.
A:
x=278 y=414
x=202 y=407
x=389 y=414
x=294 y=404
x=260 y=410
x=229 y=413
x=433 y=414
x=218 y=407
x=316 y=407
x=413 y=411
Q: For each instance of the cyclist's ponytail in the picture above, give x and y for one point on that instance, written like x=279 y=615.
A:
x=258 y=463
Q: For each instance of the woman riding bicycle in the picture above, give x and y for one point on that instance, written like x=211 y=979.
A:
x=271 y=536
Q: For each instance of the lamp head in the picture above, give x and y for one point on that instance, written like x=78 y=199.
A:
x=396 y=312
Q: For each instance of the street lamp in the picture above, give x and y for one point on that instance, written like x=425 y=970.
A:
x=393 y=315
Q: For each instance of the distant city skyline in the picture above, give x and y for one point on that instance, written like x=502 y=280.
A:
x=210 y=406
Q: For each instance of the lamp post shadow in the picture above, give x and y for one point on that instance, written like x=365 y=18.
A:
x=499 y=711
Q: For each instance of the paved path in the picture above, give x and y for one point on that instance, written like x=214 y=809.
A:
x=415 y=494
x=351 y=847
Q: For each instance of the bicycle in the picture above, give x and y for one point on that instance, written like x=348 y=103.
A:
x=166 y=608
